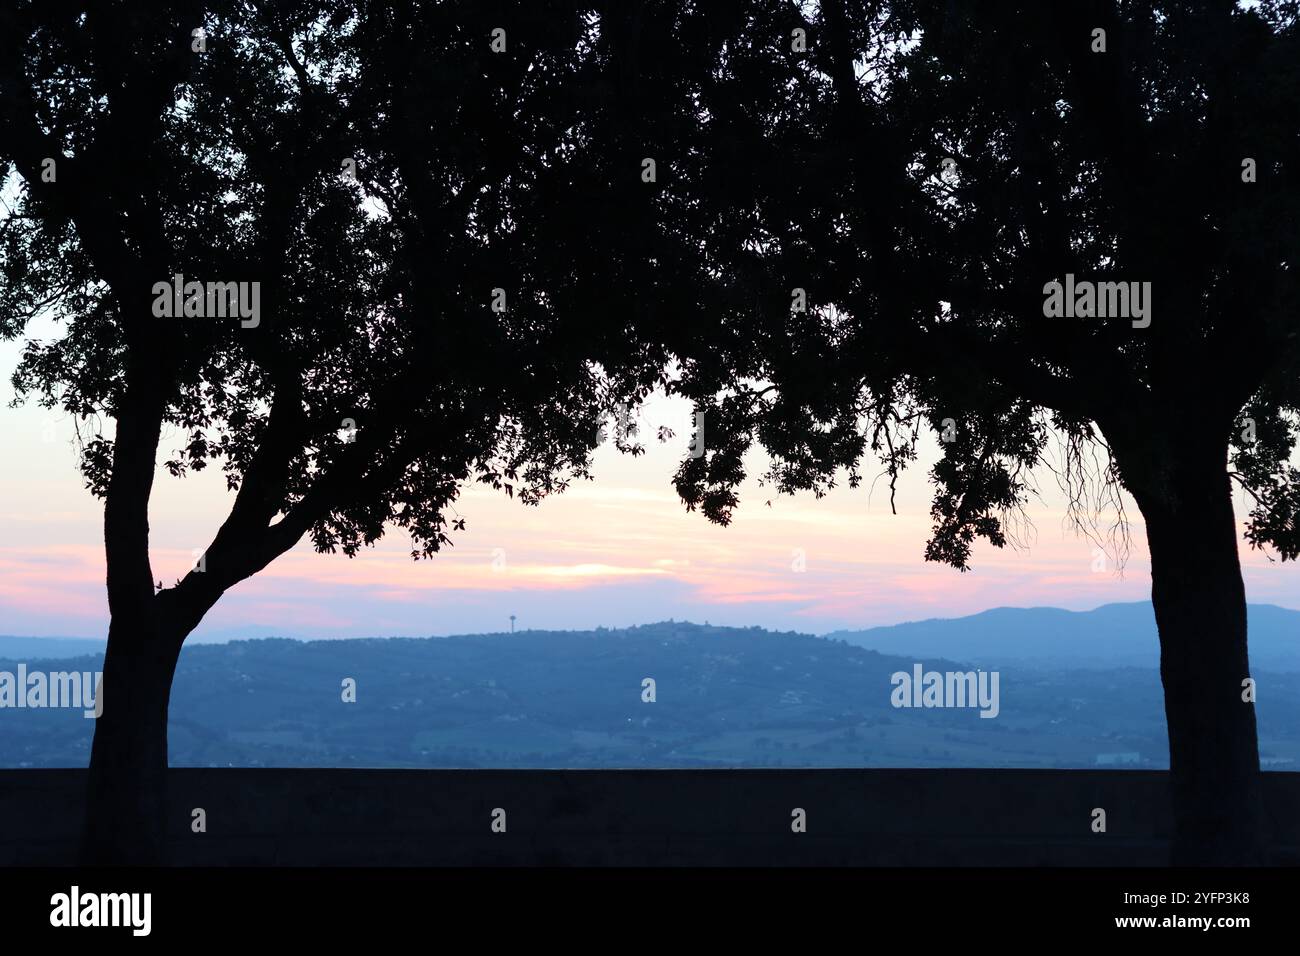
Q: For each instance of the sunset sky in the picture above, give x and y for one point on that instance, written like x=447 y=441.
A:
x=615 y=552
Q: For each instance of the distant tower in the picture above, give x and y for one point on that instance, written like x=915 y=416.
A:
x=512 y=623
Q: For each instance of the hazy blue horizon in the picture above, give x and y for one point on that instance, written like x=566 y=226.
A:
x=1114 y=634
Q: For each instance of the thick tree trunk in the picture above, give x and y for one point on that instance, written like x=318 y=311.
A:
x=1200 y=606
x=126 y=799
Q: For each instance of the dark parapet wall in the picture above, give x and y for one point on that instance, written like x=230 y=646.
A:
x=640 y=818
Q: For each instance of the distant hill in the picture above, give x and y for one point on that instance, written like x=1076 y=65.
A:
x=1114 y=635
x=724 y=697
x=48 y=648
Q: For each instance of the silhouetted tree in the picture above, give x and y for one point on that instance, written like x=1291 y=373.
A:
x=922 y=173
x=407 y=184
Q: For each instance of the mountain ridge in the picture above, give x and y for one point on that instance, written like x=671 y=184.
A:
x=1118 y=634
x=1110 y=635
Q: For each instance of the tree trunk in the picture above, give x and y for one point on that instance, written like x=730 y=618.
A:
x=1200 y=607
x=126 y=799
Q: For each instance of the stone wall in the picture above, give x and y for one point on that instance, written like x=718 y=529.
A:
x=640 y=818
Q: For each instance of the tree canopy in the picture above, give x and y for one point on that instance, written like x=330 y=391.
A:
x=428 y=311
x=929 y=169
